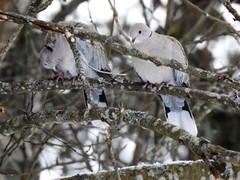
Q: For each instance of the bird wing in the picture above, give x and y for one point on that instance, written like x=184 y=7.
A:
x=167 y=47
x=95 y=55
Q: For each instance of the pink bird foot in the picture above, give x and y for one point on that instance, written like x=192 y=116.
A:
x=74 y=79
x=58 y=76
x=151 y=86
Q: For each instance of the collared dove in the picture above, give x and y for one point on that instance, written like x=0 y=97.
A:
x=58 y=56
x=177 y=110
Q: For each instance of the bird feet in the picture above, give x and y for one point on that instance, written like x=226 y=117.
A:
x=58 y=76
x=74 y=79
x=154 y=87
x=223 y=77
x=162 y=84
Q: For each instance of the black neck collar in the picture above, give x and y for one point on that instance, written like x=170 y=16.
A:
x=150 y=34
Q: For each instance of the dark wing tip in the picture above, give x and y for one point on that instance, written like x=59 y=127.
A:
x=106 y=76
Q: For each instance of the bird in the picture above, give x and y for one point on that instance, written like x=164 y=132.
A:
x=177 y=111
x=57 y=55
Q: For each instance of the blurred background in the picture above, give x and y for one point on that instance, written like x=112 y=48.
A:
x=67 y=149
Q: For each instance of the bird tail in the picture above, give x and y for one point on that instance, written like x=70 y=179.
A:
x=99 y=98
x=177 y=112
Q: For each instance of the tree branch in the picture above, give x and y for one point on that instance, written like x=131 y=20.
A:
x=123 y=84
x=210 y=17
x=10 y=43
x=231 y=10
x=32 y=10
x=199 y=146
x=109 y=41
x=115 y=17
x=65 y=10
x=178 y=170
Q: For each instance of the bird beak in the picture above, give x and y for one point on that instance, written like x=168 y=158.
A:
x=133 y=39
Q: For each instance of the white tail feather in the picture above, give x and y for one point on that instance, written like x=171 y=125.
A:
x=184 y=120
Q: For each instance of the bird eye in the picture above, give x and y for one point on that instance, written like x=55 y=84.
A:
x=49 y=48
x=139 y=32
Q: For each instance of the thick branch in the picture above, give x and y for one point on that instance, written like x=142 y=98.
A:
x=199 y=146
x=177 y=170
x=109 y=41
x=45 y=85
x=39 y=119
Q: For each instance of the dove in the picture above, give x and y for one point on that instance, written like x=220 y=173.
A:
x=177 y=111
x=58 y=56
x=52 y=56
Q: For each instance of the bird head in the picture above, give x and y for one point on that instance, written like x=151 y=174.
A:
x=46 y=57
x=139 y=32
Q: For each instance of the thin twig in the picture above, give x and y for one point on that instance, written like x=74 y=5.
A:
x=50 y=135
x=68 y=9
x=32 y=10
x=109 y=143
x=10 y=43
x=198 y=24
x=228 y=25
x=35 y=158
x=231 y=10
x=90 y=16
x=81 y=147
x=44 y=6
x=115 y=17
x=144 y=12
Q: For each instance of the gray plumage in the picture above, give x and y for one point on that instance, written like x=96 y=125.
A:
x=58 y=56
x=176 y=109
x=93 y=53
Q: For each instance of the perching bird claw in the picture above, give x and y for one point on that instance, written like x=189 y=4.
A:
x=162 y=84
x=154 y=87
x=74 y=79
x=223 y=77
x=58 y=76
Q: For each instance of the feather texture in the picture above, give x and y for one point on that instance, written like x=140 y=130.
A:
x=177 y=110
x=58 y=56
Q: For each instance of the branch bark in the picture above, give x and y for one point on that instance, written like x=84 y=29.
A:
x=199 y=146
x=110 y=42
x=231 y=10
x=123 y=84
x=179 y=170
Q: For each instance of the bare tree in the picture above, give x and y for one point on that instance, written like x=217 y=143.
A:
x=45 y=127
